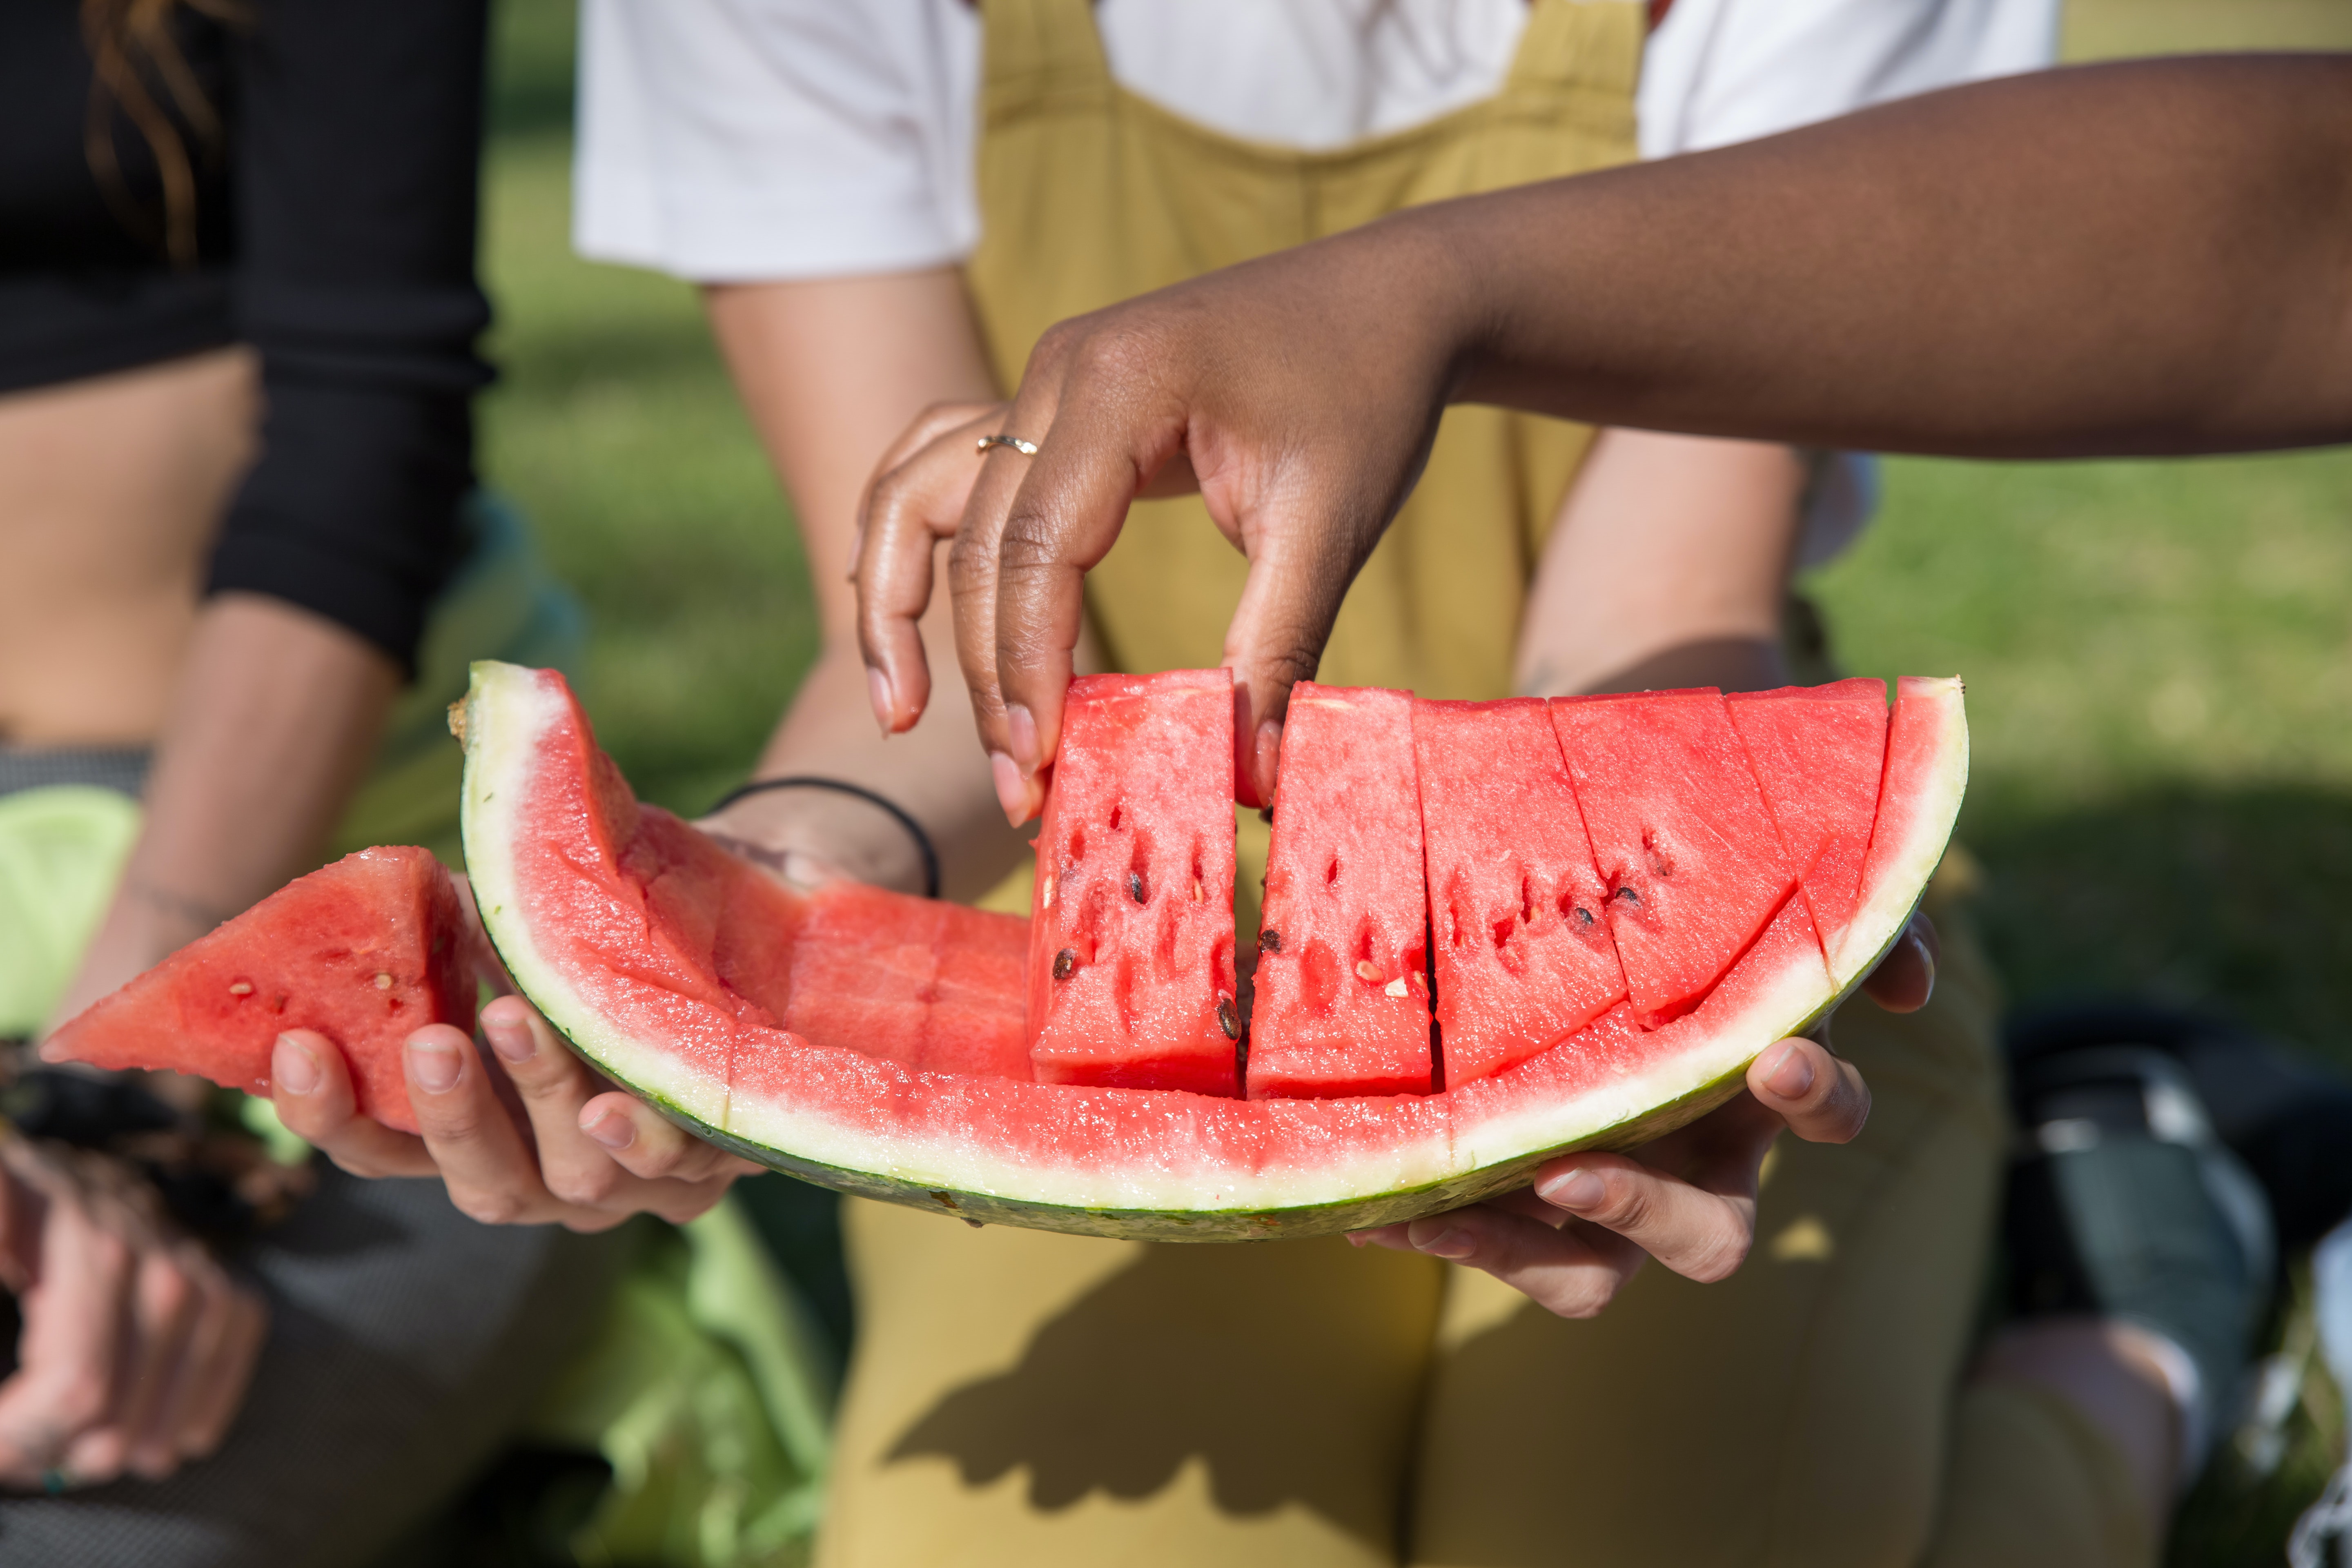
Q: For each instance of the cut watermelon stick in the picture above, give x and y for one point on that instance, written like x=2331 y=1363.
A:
x=1680 y=834
x=1918 y=803
x=1096 y=1161
x=1131 y=933
x=1523 y=954
x=1818 y=753
x=365 y=950
x=1343 y=1003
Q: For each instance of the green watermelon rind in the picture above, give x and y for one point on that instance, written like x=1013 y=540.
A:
x=944 y=1180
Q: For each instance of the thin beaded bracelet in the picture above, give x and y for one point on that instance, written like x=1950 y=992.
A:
x=843 y=786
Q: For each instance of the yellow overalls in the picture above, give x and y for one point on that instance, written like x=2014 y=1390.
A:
x=1023 y=1398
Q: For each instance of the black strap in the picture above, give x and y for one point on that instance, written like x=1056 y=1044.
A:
x=843 y=786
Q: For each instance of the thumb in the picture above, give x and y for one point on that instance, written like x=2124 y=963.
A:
x=1304 y=553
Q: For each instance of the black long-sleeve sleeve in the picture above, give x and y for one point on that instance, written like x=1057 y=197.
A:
x=357 y=144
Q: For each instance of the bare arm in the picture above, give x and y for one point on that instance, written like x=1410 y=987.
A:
x=832 y=371
x=270 y=726
x=2133 y=258
x=1668 y=566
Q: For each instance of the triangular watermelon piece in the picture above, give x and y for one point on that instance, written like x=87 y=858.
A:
x=365 y=950
x=1818 y=752
x=1131 y=938
x=1342 y=1003
x=1681 y=837
x=1517 y=911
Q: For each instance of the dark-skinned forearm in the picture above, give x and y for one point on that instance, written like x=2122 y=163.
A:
x=2121 y=260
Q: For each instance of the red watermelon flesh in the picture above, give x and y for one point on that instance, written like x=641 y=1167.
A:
x=364 y=951
x=978 y=1023
x=1516 y=907
x=933 y=986
x=1680 y=834
x=1817 y=751
x=1343 y=1003
x=1131 y=938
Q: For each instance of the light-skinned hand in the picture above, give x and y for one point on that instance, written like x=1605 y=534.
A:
x=523 y=1133
x=1572 y=1239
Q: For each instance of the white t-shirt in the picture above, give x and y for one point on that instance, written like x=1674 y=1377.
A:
x=730 y=141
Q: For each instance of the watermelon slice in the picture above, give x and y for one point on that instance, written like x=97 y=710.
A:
x=1343 y=1003
x=1131 y=932
x=1516 y=907
x=1818 y=752
x=1689 y=855
x=364 y=951
x=552 y=847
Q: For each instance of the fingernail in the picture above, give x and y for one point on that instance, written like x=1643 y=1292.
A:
x=1021 y=732
x=1926 y=962
x=1012 y=789
x=1355 y=1238
x=1449 y=1243
x=1791 y=1075
x=512 y=1038
x=291 y=1068
x=1576 y=1191
x=877 y=691
x=612 y=1129
x=1268 y=759
x=433 y=1067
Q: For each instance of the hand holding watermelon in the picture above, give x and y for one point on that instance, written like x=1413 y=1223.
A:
x=1572 y=1240
x=523 y=1135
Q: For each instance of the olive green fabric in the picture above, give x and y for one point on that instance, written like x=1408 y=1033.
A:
x=1091 y=195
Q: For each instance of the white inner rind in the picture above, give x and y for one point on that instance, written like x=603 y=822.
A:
x=1934 y=807
x=508 y=710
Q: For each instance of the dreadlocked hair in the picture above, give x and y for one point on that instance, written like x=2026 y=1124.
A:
x=137 y=68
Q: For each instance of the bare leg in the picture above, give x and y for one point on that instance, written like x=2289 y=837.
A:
x=2112 y=1372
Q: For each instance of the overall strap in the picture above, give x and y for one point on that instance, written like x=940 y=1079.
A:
x=1038 y=54
x=1573 y=47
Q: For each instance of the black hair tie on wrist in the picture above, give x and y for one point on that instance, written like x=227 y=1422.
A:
x=843 y=786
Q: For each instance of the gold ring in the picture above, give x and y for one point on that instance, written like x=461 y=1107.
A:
x=1027 y=448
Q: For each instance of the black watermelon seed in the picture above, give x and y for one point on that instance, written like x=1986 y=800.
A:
x=1065 y=962
x=1628 y=894
x=1269 y=942
x=1135 y=885
x=1584 y=914
x=1227 y=1019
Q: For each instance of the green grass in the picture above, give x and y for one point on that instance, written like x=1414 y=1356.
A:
x=2159 y=655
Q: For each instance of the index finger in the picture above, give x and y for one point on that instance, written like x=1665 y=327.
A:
x=1019 y=566
x=915 y=499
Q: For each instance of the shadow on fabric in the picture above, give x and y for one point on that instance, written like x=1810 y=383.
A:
x=1241 y=1357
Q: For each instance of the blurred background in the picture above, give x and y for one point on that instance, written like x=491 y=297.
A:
x=2159 y=655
